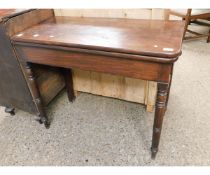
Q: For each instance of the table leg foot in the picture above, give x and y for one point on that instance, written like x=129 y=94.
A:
x=43 y=120
x=154 y=152
x=46 y=122
x=10 y=110
x=38 y=119
x=161 y=102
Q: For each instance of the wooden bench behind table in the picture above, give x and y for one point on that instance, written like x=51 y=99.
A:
x=142 y=49
x=14 y=91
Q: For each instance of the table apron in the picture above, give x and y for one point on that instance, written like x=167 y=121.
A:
x=146 y=70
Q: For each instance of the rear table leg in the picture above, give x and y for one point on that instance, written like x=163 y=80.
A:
x=67 y=73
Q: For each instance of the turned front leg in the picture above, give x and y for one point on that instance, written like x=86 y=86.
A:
x=42 y=117
x=161 y=101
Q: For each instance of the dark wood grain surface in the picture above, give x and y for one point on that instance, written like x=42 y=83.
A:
x=116 y=65
x=144 y=37
x=144 y=49
x=14 y=91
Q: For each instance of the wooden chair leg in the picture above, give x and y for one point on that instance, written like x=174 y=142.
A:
x=208 y=39
x=42 y=117
x=166 y=14
x=187 y=21
x=161 y=101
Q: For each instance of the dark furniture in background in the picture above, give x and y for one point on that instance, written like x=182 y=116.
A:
x=142 y=49
x=197 y=16
x=14 y=90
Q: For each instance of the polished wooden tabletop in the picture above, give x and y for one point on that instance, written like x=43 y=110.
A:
x=156 y=38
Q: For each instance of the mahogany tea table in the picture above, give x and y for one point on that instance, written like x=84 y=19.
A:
x=142 y=49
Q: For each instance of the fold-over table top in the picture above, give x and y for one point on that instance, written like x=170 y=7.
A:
x=156 y=38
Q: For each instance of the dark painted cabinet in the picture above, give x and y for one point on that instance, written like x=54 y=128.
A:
x=14 y=90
